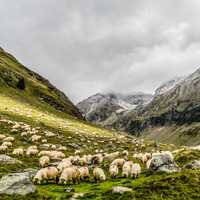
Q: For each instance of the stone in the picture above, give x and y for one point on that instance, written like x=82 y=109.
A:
x=163 y=162
x=17 y=183
x=121 y=190
x=69 y=190
x=5 y=159
x=76 y=196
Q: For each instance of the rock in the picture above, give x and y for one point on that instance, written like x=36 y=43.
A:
x=193 y=165
x=163 y=162
x=4 y=159
x=121 y=190
x=17 y=183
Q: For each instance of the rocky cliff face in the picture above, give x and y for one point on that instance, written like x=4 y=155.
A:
x=100 y=108
x=177 y=105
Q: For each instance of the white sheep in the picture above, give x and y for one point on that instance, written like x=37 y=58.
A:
x=18 y=151
x=65 y=163
x=99 y=174
x=8 y=144
x=135 y=170
x=113 y=170
x=70 y=175
x=32 y=151
x=36 y=138
x=46 y=174
x=2 y=136
x=44 y=161
x=3 y=148
x=84 y=173
x=119 y=162
x=126 y=169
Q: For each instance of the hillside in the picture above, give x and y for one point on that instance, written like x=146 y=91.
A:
x=31 y=87
x=27 y=120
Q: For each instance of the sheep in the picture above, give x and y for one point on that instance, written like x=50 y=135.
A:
x=8 y=144
x=119 y=162
x=65 y=163
x=126 y=169
x=62 y=148
x=44 y=161
x=125 y=153
x=99 y=174
x=32 y=151
x=44 y=141
x=57 y=155
x=9 y=139
x=3 y=148
x=135 y=170
x=53 y=147
x=44 y=153
x=36 y=138
x=2 y=136
x=18 y=152
x=113 y=170
x=97 y=159
x=77 y=152
x=83 y=161
x=70 y=175
x=24 y=134
x=84 y=173
x=46 y=174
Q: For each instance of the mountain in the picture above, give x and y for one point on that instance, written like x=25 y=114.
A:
x=167 y=85
x=31 y=86
x=177 y=108
x=100 y=107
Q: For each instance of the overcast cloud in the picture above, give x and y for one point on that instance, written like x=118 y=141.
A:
x=90 y=46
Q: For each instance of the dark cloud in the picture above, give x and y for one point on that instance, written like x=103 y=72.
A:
x=90 y=46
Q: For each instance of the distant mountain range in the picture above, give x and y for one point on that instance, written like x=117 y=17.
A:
x=99 y=107
x=176 y=103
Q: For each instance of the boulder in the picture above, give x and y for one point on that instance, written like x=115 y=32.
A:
x=76 y=196
x=121 y=190
x=193 y=165
x=163 y=162
x=4 y=159
x=17 y=183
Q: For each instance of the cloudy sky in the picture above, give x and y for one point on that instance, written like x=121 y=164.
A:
x=90 y=46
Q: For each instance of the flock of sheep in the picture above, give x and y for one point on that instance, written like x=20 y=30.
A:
x=56 y=167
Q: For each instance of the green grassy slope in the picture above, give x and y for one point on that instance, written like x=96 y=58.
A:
x=38 y=91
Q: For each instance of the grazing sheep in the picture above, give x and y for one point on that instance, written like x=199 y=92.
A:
x=62 y=148
x=83 y=161
x=97 y=159
x=44 y=161
x=3 y=148
x=8 y=144
x=77 y=152
x=126 y=169
x=99 y=174
x=2 y=136
x=9 y=139
x=84 y=173
x=18 y=152
x=113 y=170
x=69 y=175
x=65 y=163
x=135 y=170
x=24 y=134
x=44 y=153
x=32 y=151
x=125 y=153
x=36 y=138
x=46 y=174
x=44 y=141
x=119 y=162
